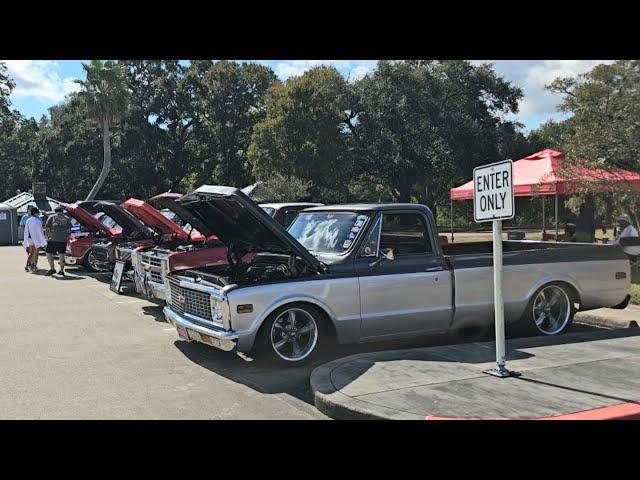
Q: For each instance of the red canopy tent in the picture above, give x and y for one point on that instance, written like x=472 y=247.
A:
x=544 y=174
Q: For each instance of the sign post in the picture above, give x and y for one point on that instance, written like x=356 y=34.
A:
x=493 y=201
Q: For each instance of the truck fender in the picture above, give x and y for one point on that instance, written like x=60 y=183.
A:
x=286 y=299
x=552 y=278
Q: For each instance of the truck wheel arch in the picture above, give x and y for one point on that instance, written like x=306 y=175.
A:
x=569 y=283
x=322 y=307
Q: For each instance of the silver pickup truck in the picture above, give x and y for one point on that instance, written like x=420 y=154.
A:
x=360 y=273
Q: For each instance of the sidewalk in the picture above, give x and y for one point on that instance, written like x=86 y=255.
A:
x=610 y=318
x=584 y=375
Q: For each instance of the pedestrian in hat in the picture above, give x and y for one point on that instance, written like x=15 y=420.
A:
x=58 y=230
x=626 y=230
x=34 y=238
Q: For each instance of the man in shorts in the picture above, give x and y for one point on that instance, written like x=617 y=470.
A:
x=58 y=230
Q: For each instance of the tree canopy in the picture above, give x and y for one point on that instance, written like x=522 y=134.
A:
x=406 y=132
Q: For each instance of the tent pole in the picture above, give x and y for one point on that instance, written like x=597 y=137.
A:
x=556 y=216
x=544 y=226
x=451 y=200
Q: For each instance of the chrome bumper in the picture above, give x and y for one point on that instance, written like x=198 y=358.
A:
x=157 y=290
x=221 y=339
x=69 y=260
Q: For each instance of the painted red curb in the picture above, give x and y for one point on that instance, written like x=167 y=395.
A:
x=622 y=411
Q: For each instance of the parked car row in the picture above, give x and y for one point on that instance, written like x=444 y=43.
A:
x=284 y=279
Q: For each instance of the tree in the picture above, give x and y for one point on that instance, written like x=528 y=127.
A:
x=105 y=96
x=603 y=129
x=303 y=133
x=283 y=188
x=6 y=86
x=231 y=101
x=419 y=126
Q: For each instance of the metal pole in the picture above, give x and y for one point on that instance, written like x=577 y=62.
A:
x=556 y=216
x=544 y=219
x=498 y=300
x=497 y=294
x=451 y=200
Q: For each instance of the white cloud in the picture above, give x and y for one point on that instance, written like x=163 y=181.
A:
x=533 y=75
x=353 y=69
x=540 y=101
x=39 y=79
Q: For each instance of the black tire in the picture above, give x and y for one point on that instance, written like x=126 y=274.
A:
x=531 y=323
x=269 y=335
x=87 y=261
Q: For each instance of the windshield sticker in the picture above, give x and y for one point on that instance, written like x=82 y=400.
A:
x=351 y=235
x=359 y=223
x=346 y=244
x=355 y=229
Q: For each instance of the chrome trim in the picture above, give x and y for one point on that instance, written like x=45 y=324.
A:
x=227 y=340
x=218 y=301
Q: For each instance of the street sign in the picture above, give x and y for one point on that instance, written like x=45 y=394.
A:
x=493 y=192
x=493 y=202
x=116 y=279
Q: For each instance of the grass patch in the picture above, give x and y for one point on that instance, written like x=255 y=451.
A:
x=635 y=288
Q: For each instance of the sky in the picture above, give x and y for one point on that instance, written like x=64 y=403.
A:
x=43 y=83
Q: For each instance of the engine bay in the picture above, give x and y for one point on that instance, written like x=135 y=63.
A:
x=264 y=268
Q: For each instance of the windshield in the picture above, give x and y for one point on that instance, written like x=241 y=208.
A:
x=327 y=232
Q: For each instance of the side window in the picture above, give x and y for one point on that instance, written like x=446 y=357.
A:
x=405 y=233
x=370 y=245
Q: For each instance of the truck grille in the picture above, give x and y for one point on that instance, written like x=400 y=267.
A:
x=155 y=264
x=195 y=303
x=156 y=277
x=151 y=260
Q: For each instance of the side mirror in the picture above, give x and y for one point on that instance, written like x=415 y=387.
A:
x=386 y=254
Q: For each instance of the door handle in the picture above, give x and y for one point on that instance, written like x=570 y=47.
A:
x=433 y=269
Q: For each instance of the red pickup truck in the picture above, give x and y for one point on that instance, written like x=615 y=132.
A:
x=79 y=245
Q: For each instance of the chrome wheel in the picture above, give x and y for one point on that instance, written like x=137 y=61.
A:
x=294 y=334
x=92 y=263
x=551 y=310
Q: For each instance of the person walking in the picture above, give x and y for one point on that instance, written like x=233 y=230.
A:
x=586 y=225
x=34 y=238
x=23 y=223
x=57 y=230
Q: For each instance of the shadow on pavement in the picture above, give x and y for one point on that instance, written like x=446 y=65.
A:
x=272 y=379
x=155 y=312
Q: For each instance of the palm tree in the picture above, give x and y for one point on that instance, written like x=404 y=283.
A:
x=105 y=95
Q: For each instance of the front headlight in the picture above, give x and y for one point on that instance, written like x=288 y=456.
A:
x=220 y=313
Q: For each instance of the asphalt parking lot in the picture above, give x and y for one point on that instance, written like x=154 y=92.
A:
x=72 y=349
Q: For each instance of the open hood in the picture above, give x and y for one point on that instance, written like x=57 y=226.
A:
x=130 y=224
x=153 y=219
x=238 y=221
x=88 y=221
x=168 y=201
x=158 y=199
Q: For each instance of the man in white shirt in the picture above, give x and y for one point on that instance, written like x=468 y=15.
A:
x=627 y=230
x=34 y=238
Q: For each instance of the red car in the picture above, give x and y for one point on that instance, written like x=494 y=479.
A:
x=134 y=234
x=79 y=245
x=151 y=265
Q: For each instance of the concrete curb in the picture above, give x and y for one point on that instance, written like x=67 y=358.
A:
x=339 y=406
x=609 y=318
